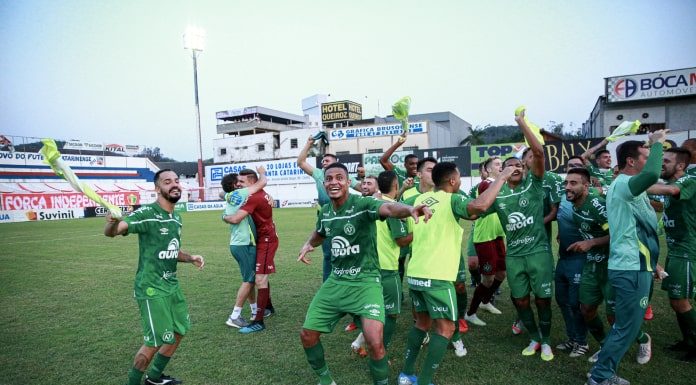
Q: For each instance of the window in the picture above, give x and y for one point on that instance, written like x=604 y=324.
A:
x=260 y=147
x=293 y=143
x=374 y=150
x=223 y=151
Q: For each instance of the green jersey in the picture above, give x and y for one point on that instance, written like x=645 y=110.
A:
x=352 y=234
x=244 y=232
x=387 y=249
x=633 y=228
x=159 y=237
x=679 y=219
x=521 y=213
x=437 y=244
x=591 y=221
x=401 y=177
x=605 y=177
x=691 y=170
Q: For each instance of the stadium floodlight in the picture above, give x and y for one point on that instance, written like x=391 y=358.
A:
x=194 y=40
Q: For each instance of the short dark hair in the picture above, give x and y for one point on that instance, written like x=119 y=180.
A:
x=526 y=150
x=489 y=161
x=228 y=181
x=385 y=180
x=409 y=156
x=628 y=149
x=442 y=172
x=249 y=172
x=422 y=162
x=160 y=172
x=601 y=152
x=582 y=172
x=509 y=159
x=336 y=165
x=683 y=155
x=330 y=155
x=578 y=157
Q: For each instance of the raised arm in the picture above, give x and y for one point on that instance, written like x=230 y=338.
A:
x=651 y=171
x=302 y=157
x=114 y=227
x=384 y=160
x=487 y=198
x=589 y=153
x=534 y=144
x=400 y=210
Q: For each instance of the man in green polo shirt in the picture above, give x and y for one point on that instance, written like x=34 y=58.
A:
x=354 y=286
x=163 y=310
x=433 y=269
x=633 y=249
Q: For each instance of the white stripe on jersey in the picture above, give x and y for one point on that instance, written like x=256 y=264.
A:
x=157 y=220
x=514 y=193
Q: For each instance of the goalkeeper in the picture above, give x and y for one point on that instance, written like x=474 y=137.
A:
x=163 y=309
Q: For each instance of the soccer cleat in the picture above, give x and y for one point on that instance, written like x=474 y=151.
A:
x=459 y=349
x=358 y=346
x=517 y=327
x=163 y=380
x=567 y=345
x=268 y=312
x=579 y=350
x=238 y=322
x=474 y=319
x=546 y=352
x=648 y=313
x=252 y=328
x=614 y=380
x=463 y=326
x=594 y=357
x=350 y=327
x=531 y=349
x=407 y=379
x=644 y=351
x=490 y=308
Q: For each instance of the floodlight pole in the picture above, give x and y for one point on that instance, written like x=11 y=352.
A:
x=193 y=40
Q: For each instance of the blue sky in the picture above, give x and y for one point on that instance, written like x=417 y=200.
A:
x=116 y=71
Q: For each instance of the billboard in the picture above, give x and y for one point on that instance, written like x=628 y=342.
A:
x=282 y=171
x=652 y=85
x=340 y=111
x=14 y=201
x=376 y=130
x=483 y=152
x=457 y=155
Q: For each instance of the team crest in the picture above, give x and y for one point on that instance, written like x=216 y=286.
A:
x=523 y=202
x=584 y=226
x=349 y=229
x=168 y=337
x=644 y=302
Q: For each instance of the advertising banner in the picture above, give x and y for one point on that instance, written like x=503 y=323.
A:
x=373 y=167
x=205 y=206
x=378 y=130
x=40 y=215
x=460 y=156
x=285 y=203
x=36 y=159
x=481 y=153
x=340 y=111
x=283 y=171
x=652 y=85
x=14 y=201
x=101 y=212
x=556 y=154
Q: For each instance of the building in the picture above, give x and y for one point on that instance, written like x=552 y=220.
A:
x=658 y=99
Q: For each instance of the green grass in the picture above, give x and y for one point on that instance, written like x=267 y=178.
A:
x=68 y=317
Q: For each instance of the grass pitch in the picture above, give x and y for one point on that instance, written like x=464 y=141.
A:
x=68 y=317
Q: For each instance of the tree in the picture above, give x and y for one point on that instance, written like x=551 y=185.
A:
x=475 y=138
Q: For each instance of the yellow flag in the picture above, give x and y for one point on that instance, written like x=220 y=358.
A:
x=535 y=129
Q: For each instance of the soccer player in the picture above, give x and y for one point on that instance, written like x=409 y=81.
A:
x=163 y=309
x=568 y=272
x=472 y=258
x=368 y=186
x=603 y=172
x=432 y=270
x=410 y=162
x=354 y=286
x=489 y=243
x=528 y=261
x=680 y=229
x=633 y=249
x=258 y=207
x=553 y=191
x=242 y=243
x=323 y=197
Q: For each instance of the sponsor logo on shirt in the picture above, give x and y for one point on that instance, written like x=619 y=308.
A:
x=172 y=251
x=352 y=271
x=340 y=247
x=419 y=282
x=517 y=220
x=667 y=222
x=164 y=231
x=522 y=241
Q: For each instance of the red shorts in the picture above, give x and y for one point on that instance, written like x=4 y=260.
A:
x=265 y=255
x=491 y=256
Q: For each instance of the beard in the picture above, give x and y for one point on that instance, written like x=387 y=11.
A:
x=170 y=198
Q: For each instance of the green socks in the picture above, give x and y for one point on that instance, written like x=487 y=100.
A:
x=596 y=327
x=436 y=350
x=315 y=357
x=413 y=346
x=544 y=323
x=135 y=376
x=389 y=329
x=380 y=370
x=461 y=305
x=157 y=366
x=690 y=321
x=527 y=318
